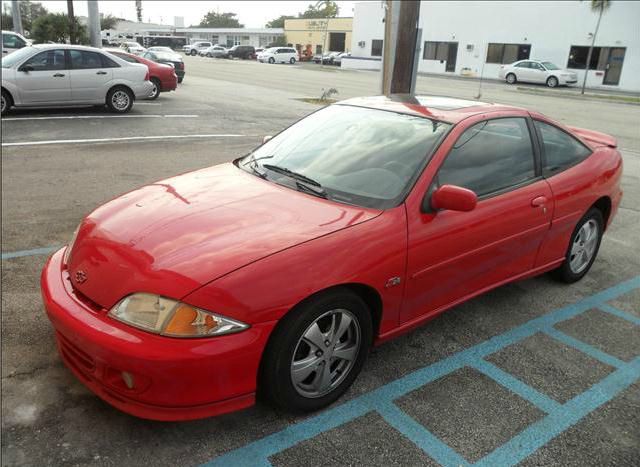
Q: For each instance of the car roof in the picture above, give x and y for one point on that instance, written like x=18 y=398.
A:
x=65 y=46
x=446 y=109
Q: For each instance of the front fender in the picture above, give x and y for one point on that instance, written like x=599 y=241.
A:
x=369 y=253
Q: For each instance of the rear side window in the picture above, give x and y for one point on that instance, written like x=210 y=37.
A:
x=108 y=63
x=84 y=60
x=47 y=61
x=491 y=156
x=524 y=65
x=560 y=149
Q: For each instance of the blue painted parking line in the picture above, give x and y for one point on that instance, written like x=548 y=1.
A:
x=33 y=252
x=559 y=417
x=619 y=313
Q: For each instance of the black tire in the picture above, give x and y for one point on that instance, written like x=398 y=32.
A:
x=552 y=81
x=193 y=52
x=565 y=272
x=209 y=55
x=292 y=61
x=180 y=79
x=157 y=89
x=272 y=60
x=511 y=78
x=7 y=102
x=119 y=100
x=276 y=383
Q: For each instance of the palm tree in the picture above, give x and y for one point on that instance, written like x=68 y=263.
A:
x=598 y=6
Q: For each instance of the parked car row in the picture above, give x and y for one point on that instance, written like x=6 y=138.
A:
x=58 y=75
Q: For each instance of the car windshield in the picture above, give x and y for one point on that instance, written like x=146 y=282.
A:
x=16 y=57
x=355 y=155
x=550 y=66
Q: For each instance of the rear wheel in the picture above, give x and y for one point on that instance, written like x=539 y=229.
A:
x=5 y=103
x=155 y=92
x=552 y=81
x=511 y=78
x=193 y=52
x=120 y=100
x=317 y=351
x=583 y=247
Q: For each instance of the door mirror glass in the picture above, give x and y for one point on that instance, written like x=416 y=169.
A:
x=453 y=198
x=26 y=68
x=266 y=138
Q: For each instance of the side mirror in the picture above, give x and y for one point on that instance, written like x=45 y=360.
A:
x=266 y=138
x=26 y=68
x=453 y=198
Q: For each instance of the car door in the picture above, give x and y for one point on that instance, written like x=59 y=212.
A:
x=538 y=73
x=453 y=255
x=44 y=79
x=523 y=72
x=89 y=76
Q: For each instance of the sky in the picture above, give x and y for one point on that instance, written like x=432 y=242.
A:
x=253 y=14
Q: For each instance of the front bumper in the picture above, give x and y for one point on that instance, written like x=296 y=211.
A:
x=173 y=379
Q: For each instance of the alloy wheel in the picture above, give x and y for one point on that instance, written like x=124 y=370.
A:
x=584 y=246
x=154 y=91
x=326 y=353
x=120 y=100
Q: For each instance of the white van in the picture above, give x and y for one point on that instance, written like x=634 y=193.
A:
x=279 y=55
x=12 y=41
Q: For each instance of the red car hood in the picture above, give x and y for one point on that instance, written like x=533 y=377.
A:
x=173 y=236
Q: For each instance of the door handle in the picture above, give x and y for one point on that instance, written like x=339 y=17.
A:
x=539 y=201
x=58 y=75
x=101 y=73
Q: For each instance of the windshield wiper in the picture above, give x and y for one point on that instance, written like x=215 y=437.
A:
x=303 y=183
x=292 y=174
x=253 y=165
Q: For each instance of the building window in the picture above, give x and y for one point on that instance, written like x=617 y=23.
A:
x=578 y=57
x=318 y=49
x=507 y=53
x=376 y=48
x=436 y=51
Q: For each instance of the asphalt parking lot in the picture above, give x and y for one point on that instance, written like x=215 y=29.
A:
x=532 y=373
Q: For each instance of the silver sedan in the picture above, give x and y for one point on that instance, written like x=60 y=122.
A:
x=536 y=71
x=56 y=75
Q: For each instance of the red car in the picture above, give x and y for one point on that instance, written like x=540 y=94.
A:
x=275 y=273
x=162 y=76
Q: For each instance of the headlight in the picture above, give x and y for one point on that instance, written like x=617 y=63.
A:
x=168 y=317
x=67 y=252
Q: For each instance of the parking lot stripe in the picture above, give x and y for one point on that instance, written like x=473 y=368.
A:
x=88 y=117
x=584 y=348
x=542 y=401
x=107 y=140
x=560 y=417
x=33 y=252
x=619 y=313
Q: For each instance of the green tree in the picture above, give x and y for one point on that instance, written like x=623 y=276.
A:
x=278 y=22
x=220 y=20
x=29 y=12
x=54 y=27
x=321 y=9
x=108 y=21
x=597 y=6
x=281 y=41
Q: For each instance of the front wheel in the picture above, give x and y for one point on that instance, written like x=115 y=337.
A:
x=272 y=60
x=583 y=248
x=317 y=351
x=5 y=103
x=552 y=81
x=193 y=52
x=292 y=61
x=120 y=100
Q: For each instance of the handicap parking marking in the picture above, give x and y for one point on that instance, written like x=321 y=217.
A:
x=32 y=252
x=558 y=417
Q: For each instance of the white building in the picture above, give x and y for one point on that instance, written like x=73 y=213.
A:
x=257 y=37
x=476 y=37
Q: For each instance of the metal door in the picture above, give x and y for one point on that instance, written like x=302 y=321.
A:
x=614 y=65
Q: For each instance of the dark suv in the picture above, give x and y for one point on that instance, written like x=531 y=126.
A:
x=242 y=51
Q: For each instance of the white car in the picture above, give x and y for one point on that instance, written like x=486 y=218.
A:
x=536 y=71
x=133 y=48
x=196 y=47
x=215 y=51
x=279 y=55
x=58 y=75
x=12 y=41
x=337 y=60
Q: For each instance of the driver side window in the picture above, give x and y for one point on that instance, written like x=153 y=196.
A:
x=47 y=61
x=490 y=157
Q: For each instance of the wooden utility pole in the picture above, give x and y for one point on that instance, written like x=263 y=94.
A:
x=94 y=23
x=17 y=18
x=405 y=48
x=72 y=22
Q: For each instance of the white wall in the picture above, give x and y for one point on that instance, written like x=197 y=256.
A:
x=550 y=27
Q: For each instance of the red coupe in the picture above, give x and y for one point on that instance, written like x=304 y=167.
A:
x=274 y=274
x=163 y=76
